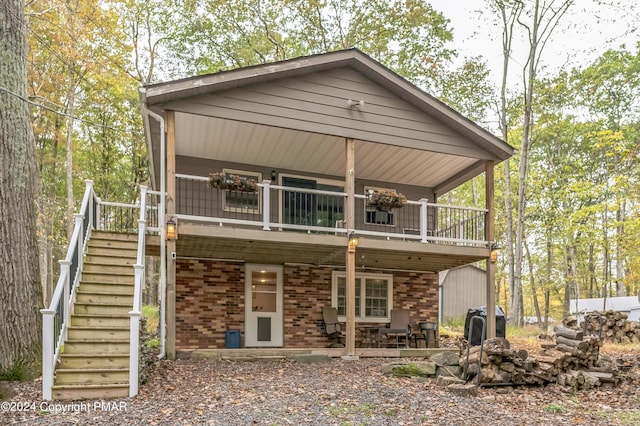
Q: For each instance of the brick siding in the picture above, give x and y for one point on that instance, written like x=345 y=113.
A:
x=210 y=299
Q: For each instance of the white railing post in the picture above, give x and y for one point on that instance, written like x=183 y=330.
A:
x=65 y=270
x=134 y=326
x=423 y=220
x=89 y=191
x=266 y=207
x=48 y=316
x=98 y=214
x=143 y=202
x=80 y=246
x=134 y=330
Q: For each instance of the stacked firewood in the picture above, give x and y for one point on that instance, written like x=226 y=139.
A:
x=614 y=327
x=571 y=361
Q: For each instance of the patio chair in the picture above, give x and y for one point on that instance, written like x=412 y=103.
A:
x=427 y=329
x=400 y=328
x=332 y=327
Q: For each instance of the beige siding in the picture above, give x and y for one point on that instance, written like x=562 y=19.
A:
x=463 y=288
x=318 y=103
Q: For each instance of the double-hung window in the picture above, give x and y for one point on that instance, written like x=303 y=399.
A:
x=373 y=296
x=239 y=201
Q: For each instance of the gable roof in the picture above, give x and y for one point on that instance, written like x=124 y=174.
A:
x=156 y=97
x=224 y=80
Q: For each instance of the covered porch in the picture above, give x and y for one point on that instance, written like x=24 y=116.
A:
x=318 y=134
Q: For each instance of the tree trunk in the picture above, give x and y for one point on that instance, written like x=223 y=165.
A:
x=534 y=289
x=20 y=290
x=508 y=22
x=592 y=272
x=620 y=272
x=69 y=175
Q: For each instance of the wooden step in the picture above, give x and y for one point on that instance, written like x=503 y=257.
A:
x=89 y=320
x=106 y=235
x=96 y=346
x=92 y=376
x=112 y=251
x=108 y=243
x=104 y=259
x=68 y=361
x=99 y=268
x=105 y=333
x=104 y=297
x=107 y=288
x=102 y=308
x=90 y=391
x=106 y=277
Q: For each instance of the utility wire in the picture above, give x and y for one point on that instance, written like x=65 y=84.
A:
x=64 y=114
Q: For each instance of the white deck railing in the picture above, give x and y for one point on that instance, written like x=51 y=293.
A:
x=276 y=207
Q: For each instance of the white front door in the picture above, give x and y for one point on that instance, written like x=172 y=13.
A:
x=263 y=312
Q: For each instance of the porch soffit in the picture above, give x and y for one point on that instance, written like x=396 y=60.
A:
x=260 y=145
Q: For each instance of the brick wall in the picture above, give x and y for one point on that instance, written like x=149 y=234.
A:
x=210 y=299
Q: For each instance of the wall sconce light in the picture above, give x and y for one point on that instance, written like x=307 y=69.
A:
x=172 y=229
x=495 y=250
x=353 y=242
x=274 y=176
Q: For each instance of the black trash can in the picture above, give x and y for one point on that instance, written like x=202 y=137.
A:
x=501 y=324
x=232 y=339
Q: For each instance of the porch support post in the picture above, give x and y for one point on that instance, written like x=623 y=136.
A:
x=266 y=205
x=349 y=180
x=423 y=220
x=171 y=244
x=490 y=236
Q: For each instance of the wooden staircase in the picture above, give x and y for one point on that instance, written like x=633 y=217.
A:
x=95 y=360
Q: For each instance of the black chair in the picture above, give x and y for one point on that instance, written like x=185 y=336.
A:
x=427 y=328
x=332 y=327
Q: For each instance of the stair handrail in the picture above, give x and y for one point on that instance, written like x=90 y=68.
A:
x=55 y=319
x=136 y=312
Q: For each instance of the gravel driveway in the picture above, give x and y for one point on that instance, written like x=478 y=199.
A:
x=338 y=392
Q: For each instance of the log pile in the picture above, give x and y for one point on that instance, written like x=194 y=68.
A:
x=571 y=361
x=616 y=328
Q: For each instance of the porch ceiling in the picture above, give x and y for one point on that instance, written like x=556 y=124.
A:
x=198 y=241
x=314 y=153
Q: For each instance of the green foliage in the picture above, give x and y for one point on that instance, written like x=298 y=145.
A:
x=3 y=393
x=554 y=408
x=152 y=315
x=408 y=36
x=18 y=372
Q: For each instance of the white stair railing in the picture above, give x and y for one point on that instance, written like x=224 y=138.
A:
x=55 y=319
x=136 y=312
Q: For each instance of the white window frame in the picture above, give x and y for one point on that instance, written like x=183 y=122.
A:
x=373 y=210
x=258 y=177
x=360 y=316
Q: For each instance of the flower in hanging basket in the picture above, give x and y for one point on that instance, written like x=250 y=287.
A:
x=385 y=200
x=232 y=182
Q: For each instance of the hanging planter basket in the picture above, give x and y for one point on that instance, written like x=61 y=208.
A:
x=231 y=182
x=386 y=200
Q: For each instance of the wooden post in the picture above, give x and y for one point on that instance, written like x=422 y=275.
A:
x=351 y=255
x=491 y=266
x=171 y=244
